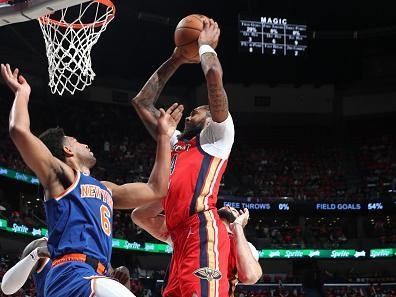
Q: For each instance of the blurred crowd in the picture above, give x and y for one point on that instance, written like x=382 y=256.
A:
x=263 y=170
x=260 y=291
x=327 y=233
x=373 y=290
x=303 y=170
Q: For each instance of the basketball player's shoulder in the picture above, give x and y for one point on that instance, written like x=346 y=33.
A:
x=109 y=185
x=217 y=138
x=174 y=139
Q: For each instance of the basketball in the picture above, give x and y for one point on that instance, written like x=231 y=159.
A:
x=187 y=32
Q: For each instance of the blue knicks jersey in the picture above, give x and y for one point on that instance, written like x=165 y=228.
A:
x=80 y=220
x=39 y=277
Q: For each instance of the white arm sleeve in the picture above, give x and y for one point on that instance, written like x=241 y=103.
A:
x=106 y=287
x=17 y=275
x=254 y=251
x=217 y=138
x=174 y=139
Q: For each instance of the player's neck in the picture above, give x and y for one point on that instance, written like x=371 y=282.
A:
x=79 y=167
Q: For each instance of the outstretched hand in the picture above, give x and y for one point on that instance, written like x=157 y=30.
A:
x=16 y=82
x=243 y=218
x=210 y=33
x=169 y=119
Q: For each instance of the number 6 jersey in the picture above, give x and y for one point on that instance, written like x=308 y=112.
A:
x=80 y=220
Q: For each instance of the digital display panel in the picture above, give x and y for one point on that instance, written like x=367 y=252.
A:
x=272 y=36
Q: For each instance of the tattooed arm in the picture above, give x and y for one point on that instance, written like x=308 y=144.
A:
x=218 y=102
x=147 y=97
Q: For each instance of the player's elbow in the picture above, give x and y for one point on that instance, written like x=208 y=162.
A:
x=249 y=279
x=136 y=216
x=251 y=276
x=161 y=193
x=137 y=101
x=16 y=132
x=160 y=190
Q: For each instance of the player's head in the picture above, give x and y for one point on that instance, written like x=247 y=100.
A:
x=66 y=147
x=228 y=214
x=198 y=119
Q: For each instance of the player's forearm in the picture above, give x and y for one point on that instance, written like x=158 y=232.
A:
x=210 y=61
x=16 y=277
x=19 y=120
x=159 y=178
x=150 y=220
x=147 y=211
x=217 y=97
x=249 y=270
x=147 y=97
x=150 y=92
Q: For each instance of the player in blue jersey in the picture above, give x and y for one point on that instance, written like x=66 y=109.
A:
x=79 y=208
x=35 y=262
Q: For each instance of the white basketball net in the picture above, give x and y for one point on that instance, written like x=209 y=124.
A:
x=69 y=44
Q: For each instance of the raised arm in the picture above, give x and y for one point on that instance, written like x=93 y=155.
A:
x=211 y=67
x=248 y=267
x=132 y=195
x=145 y=100
x=35 y=154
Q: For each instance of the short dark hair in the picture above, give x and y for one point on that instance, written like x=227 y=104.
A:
x=53 y=139
x=226 y=214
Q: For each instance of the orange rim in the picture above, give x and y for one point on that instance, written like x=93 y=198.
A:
x=47 y=20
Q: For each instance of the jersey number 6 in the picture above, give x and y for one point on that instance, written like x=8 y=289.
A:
x=105 y=220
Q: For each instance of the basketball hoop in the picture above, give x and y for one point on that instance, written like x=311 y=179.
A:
x=69 y=36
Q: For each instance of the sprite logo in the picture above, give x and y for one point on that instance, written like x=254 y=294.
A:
x=294 y=254
x=381 y=253
x=339 y=254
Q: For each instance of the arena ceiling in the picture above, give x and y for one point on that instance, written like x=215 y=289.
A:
x=141 y=37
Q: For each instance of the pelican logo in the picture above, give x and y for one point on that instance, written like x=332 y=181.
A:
x=208 y=273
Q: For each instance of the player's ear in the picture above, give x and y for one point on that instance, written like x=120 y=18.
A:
x=68 y=151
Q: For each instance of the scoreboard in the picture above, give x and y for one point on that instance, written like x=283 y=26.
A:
x=272 y=36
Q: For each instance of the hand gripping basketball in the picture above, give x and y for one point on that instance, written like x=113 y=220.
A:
x=186 y=35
